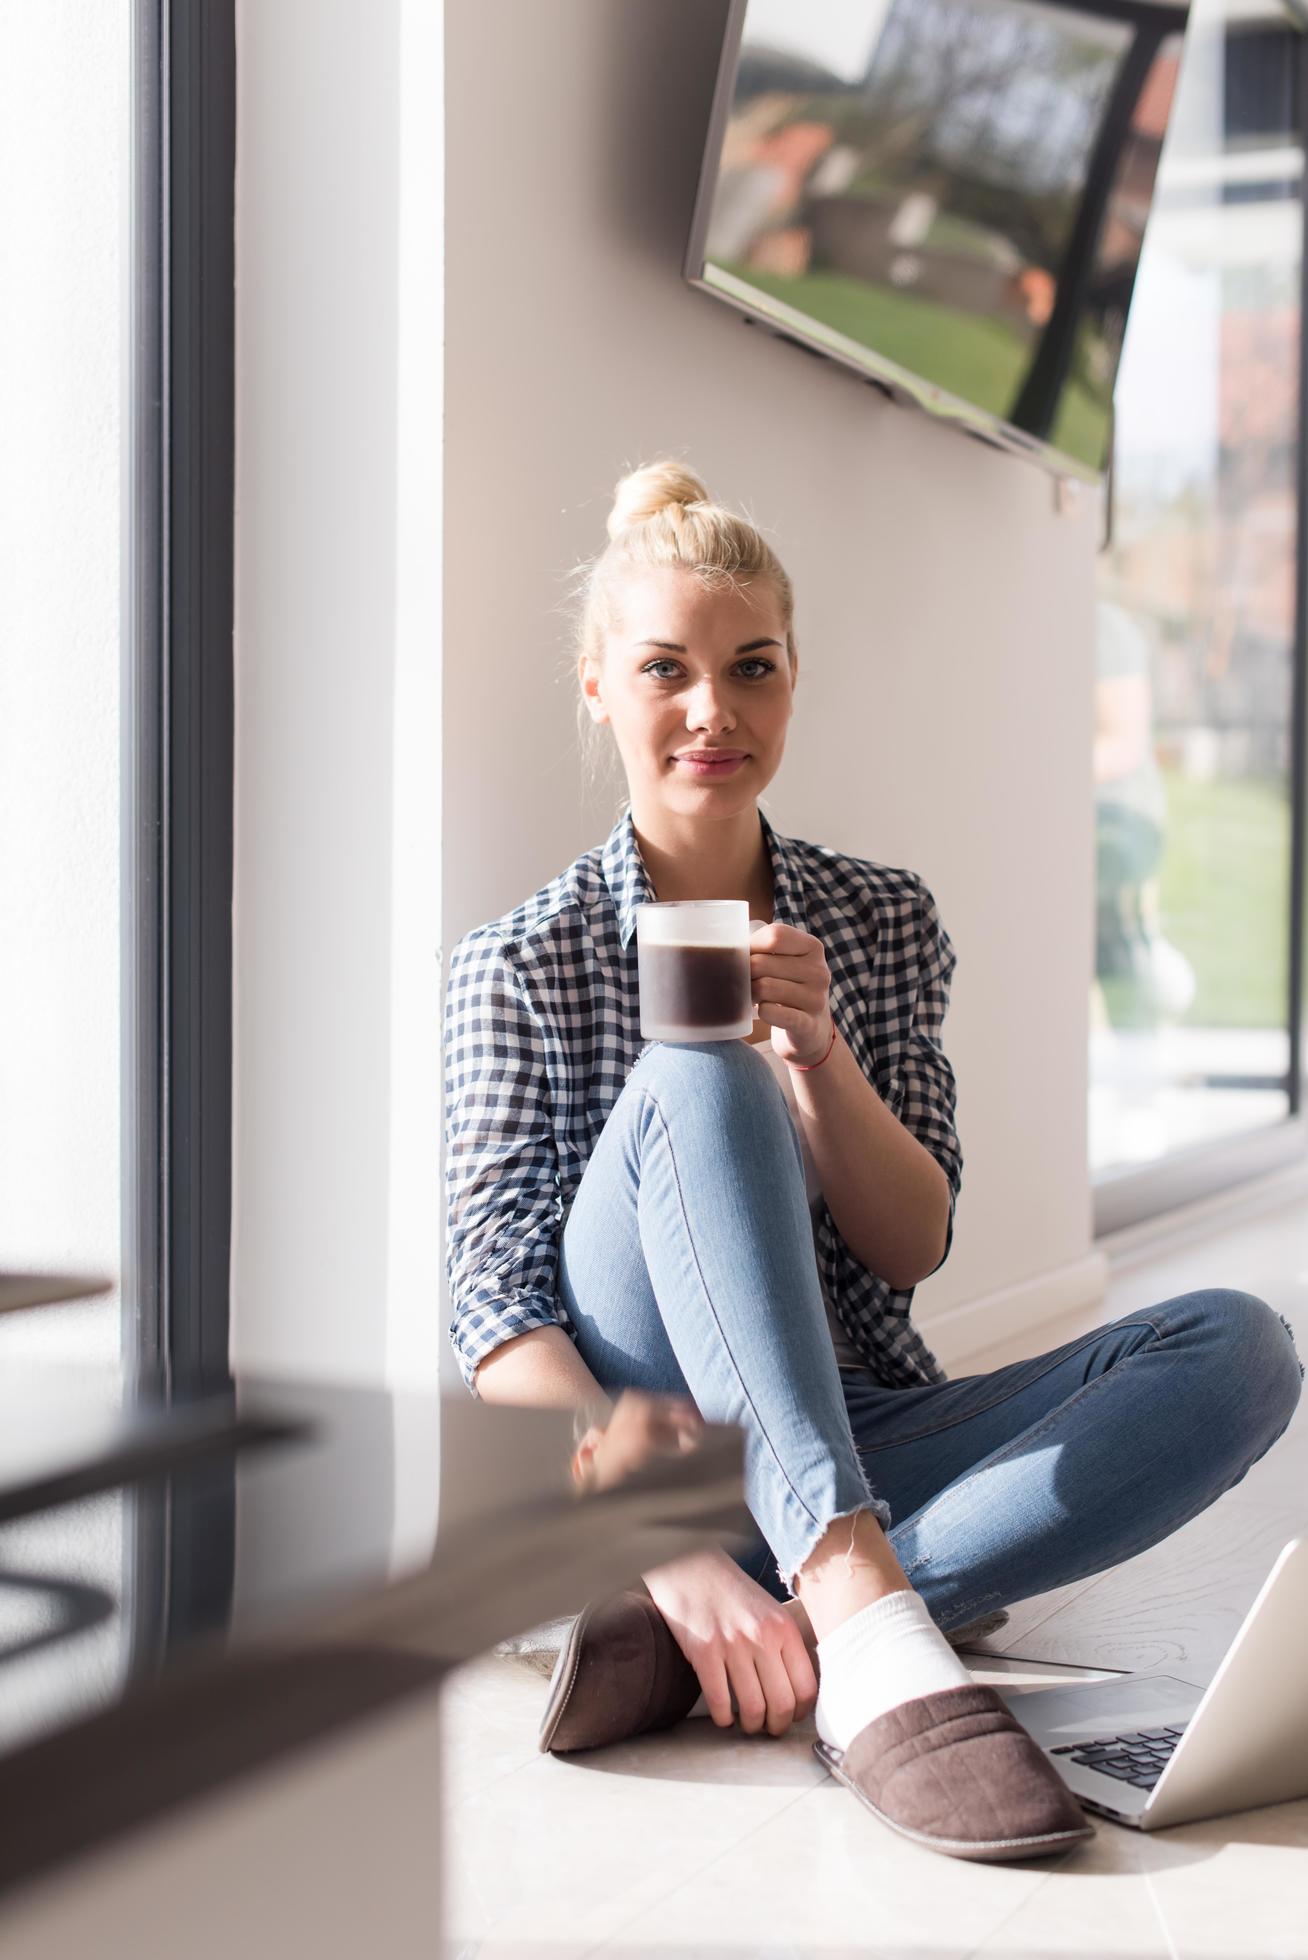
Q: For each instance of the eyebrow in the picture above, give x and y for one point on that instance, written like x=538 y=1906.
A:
x=670 y=646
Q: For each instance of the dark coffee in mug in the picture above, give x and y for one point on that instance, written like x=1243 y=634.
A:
x=694 y=986
x=693 y=968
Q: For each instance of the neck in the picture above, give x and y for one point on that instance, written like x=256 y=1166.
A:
x=723 y=858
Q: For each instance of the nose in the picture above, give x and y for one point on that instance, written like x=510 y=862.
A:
x=707 y=710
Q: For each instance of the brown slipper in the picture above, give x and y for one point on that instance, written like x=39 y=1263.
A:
x=619 y=1673
x=977 y=1629
x=957 y=1772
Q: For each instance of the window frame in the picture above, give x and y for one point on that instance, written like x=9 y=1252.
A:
x=177 y=796
x=178 y=700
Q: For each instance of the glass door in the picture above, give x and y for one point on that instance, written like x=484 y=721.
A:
x=1195 y=744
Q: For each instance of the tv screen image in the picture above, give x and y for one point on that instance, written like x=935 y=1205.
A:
x=947 y=195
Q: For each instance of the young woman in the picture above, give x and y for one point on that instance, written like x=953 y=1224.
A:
x=733 y=1231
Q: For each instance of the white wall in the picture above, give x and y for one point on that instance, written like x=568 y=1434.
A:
x=64 y=183
x=64 y=189
x=944 y=618
x=336 y=1124
x=943 y=604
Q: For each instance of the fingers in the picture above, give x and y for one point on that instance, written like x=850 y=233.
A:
x=659 y=1417
x=773 y=1681
x=729 y=1682
x=790 y=1004
x=755 y=1669
x=803 y=1675
x=804 y=958
x=777 y=937
x=807 y=988
x=642 y=1425
x=676 y=1429
x=743 y=1668
x=715 y=1688
x=672 y=1408
x=779 y=1688
x=782 y=993
x=682 y=1416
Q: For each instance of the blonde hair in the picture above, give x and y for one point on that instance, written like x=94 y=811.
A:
x=663 y=515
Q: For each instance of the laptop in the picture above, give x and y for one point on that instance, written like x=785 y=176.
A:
x=1148 y=1750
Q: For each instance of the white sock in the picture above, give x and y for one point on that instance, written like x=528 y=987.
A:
x=886 y=1653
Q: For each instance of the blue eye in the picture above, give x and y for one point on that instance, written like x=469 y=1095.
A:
x=754 y=660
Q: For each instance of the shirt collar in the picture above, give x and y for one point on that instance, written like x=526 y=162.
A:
x=629 y=882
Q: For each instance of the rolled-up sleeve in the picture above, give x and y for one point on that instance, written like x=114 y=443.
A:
x=503 y=1205
x=930 y=1091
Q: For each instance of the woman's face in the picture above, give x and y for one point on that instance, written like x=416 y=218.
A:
x=689 y=669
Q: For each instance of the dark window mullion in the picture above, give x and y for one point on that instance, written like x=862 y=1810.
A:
x=1299 y=672
x=202 y=123
x=177 y=793
x=142 y=1130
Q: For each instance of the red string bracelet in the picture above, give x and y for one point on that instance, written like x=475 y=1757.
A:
x=830 y=1045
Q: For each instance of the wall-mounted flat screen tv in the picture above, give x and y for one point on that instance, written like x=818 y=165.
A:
x=948 y=196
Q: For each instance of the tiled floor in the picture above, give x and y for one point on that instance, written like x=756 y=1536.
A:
x=705 y=1842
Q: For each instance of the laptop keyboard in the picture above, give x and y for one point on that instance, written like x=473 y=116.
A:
x=1139 y=1758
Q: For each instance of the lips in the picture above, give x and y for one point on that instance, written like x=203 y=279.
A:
x=714 y=763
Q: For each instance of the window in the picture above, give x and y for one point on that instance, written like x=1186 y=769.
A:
x=117 y=148
x=1192 y=1018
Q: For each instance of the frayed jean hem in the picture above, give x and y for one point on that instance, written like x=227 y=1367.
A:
x=876 y=1505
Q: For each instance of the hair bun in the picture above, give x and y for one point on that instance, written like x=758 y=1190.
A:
x=652 y=488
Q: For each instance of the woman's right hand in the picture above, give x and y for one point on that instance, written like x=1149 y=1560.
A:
x=739 y=1640
x=641 y=1425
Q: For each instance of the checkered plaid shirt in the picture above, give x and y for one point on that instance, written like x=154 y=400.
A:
x=542 y=1027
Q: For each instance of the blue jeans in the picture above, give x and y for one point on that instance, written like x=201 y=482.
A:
x=687 y=1267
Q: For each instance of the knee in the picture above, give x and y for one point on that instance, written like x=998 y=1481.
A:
x=710 y=1072
x=1257 y=1345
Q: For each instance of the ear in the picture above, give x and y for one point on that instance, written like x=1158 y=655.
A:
x=588 y=675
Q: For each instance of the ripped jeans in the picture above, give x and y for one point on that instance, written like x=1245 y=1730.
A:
x=687 y=1267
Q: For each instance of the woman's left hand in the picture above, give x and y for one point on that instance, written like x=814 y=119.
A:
x=791 y=985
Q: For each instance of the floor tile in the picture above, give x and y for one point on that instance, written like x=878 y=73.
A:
x=823 y=1877
x=1173 y=1609
x=1226 y=1889
x=567 y=1849
x=488 y=1726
